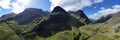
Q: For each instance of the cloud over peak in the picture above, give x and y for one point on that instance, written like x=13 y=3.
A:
x=19 y=5
x=73 y=5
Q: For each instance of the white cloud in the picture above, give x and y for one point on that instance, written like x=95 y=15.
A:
x=5 y=4
x=103 y=12
x=23 y=2
x=16 y=6
x=73 y=5
x=95 y=16
x=102 y=8
x=116 y=6
x=97 y=1
x=19 y=5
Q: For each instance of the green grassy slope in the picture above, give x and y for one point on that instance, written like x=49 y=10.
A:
x=7 y=33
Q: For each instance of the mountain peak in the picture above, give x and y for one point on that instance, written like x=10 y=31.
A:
x=32 y=9
x=79 y=11
x=58 y=9
x=59 y=14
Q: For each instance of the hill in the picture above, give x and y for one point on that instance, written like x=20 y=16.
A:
x=59 y=20
x=6 y=33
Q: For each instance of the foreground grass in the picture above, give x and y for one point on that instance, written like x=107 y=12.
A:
x=98 y=32
x=63 y=35
x=6 y=33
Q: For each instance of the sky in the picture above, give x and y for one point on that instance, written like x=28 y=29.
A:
x=92 y=8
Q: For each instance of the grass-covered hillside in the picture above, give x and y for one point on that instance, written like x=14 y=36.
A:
x=6 y=33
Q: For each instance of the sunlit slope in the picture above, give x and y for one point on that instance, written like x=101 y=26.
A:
x=6 y=33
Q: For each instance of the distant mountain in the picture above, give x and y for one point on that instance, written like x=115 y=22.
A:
x=92 y=20
x=114 y=19
x=111 y=19
x=25 y=17
x=7 y=17
x=58 y=20
x=29 y=15
x=104 y=18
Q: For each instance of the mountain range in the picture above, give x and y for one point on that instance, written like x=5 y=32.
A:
x=26 y=16
x=59 y=24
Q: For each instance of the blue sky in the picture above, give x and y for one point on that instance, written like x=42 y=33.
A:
x=92 y=8
x=97 y=7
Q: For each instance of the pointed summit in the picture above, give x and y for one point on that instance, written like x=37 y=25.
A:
x=59 y=15
x=58 y=9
